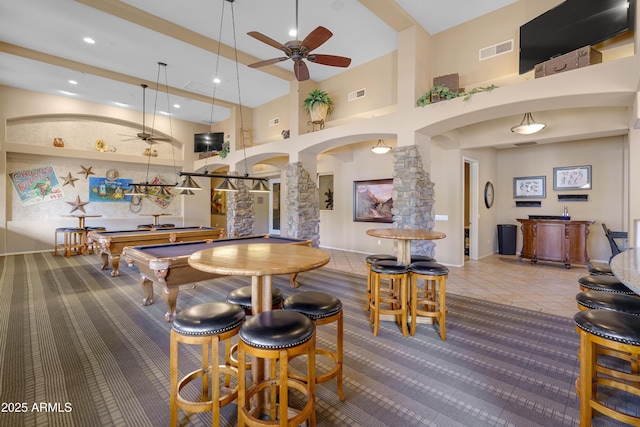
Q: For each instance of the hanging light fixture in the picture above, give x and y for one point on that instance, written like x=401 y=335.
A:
x=188 y=183
x=528 y=126
x=226 y=184
x=381 y=147
x=186 y=193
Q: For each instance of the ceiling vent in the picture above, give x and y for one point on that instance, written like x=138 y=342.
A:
x=524 y=144
x=198 y=87
x=357 y=94
x=274 y=121
x=495 y=50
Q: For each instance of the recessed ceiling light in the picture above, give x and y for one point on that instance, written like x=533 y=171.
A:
x=64 y=92
x=293 y=32
x=73 y=82
x=176 y=105
x=121 y=104
x=89 y=40
x=216 y=80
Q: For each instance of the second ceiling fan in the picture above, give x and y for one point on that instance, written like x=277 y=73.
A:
x=299 y=51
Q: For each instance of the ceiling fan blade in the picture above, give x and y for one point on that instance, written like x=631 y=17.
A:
x=159 y=139
x=268 y=40
x=268 y=62
x=316 y=38
x=333 y=60
x=301 y=71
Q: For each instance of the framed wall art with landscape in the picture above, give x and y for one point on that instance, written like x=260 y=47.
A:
x=372 y=200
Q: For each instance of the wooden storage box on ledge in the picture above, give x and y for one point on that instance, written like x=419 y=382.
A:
x=452 y=81
x=579 y=58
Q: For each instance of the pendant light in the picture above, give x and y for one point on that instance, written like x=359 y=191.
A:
x=528 y=126
x=381 y=147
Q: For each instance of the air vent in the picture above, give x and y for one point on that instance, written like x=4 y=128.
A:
x=274 y=121
x=198 y=87
x=524 y=144
x=357 y=94
x=495 y=50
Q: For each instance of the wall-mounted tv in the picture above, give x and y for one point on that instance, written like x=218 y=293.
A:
x=209 y=142
x=571 y=25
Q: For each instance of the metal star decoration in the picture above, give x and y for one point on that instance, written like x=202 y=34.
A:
x=77 y=205
x=69 y=180
x=86 y=171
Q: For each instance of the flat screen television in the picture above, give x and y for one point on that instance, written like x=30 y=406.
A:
x=571 y=25
x=209 y=142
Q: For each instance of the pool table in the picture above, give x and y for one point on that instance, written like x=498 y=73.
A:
x=167 y=265
x=111 y=243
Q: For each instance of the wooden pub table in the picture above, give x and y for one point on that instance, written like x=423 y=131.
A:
x=626 y=268
x=261 y=261
x=404 y=236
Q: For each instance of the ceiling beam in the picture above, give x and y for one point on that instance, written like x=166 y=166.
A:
x=139 y=17
x=107 y=74
x=391 y=13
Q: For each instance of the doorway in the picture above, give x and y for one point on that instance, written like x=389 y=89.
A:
x=470 y=203
x=274 y=206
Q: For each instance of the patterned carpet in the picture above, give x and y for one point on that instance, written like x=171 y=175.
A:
x=78 y=349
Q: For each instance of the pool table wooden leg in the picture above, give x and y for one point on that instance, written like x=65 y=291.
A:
x=170 y=296
x=115 y=263
x=147 y=287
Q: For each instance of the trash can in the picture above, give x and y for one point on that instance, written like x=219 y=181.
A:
x=506 y=239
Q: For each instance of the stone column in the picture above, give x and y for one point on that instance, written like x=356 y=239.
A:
x=240 y=211
x=303 y=205
x=413 y=196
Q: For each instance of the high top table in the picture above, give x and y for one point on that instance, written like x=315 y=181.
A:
x=261 y=261
x=626 y=268
x=404 y=236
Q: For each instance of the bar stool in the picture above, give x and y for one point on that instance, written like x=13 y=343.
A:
x=73 y=241
x=372 y=259
x=242 y=297
x=603 y=283
x=206 y=324
x=600 y=270
x=600 y=300
x=395 y=295
x=322 y=309
x=433 y=296
x=611 y=330
x=277 y=335
x=56 y=239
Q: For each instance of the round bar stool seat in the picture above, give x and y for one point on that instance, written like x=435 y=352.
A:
x=599 y=300
x=422 y=258
x=433 y=297
x=145 y=226
x=322 y=309
x=603 y=283
x=620 y=333
x=372 y=259
x=242 y=297
x=395 y=296
x=600 y=270
x=208 y=325
x=277 y=335
x=166 y=226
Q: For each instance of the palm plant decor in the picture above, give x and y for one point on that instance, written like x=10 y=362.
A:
x=318 y=104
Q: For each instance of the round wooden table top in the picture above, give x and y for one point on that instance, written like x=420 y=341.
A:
x=258 y=259
x=406 y=234
x=626 y=268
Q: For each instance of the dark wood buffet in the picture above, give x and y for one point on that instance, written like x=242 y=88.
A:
x=559 y=240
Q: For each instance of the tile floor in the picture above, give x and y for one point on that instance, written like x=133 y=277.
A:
x=546 y=286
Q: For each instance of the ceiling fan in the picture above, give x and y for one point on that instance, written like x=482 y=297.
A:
x=144 y=135
x=298 y=51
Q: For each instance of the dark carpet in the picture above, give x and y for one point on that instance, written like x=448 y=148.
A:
x=78 y=349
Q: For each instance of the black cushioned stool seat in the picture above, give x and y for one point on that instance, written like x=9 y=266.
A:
x=208 y=325
x=372 y=259
x=599 y=300
x=395 y=296
x=322 y=309
x=276 y=335
x=603 y=283
x=432 y=297
x=620 y=333
x=242 y=297
x=422 y=258
x=600 y=270
x=145 y=226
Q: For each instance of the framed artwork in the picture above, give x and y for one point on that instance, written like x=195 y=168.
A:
x=529 y=187
x=325 y=185
x=218 y=202
x=572 y=178
x=108 y=190
x=372 y=200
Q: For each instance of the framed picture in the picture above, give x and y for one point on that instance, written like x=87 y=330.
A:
x=572 y=178
x=218 y=202
x=372 y=200
x=325 y=185
x=529 y=187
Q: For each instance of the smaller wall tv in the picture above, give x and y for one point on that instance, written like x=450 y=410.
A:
x=209 y=142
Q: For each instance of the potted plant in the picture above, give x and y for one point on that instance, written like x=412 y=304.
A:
x=441 y=92
x=318 y=104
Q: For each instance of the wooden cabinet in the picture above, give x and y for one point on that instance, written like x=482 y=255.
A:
x=555 y=240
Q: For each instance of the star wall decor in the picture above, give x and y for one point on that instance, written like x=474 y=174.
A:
x=86 y=171
x=77 y=205
x=69 y=180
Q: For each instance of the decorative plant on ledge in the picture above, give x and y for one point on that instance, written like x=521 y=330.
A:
x=443 y=92
x=225 y=150
x=318 y=104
